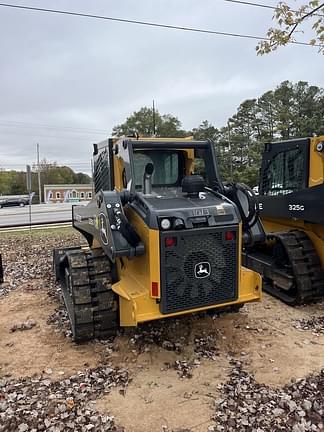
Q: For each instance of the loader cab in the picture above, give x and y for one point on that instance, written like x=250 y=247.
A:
x=292 y=180
x=172 y=160
x=184 y=176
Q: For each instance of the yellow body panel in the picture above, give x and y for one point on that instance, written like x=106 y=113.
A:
x=118 y=169
x=136 y=304
x=316 y=163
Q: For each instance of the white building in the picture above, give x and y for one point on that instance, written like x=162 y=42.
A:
x=67 y=193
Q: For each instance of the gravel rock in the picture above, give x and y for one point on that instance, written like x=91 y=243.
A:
x=307 y=405
x=206 y=346
x=59 y=319
x=314 y=324
x=39 y=404
x=28 y=258
x=167 y=334
x=183 y=368
x=27 y=325
x=252 y=407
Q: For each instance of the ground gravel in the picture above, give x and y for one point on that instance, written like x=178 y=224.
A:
x=252 y=407
x=315 y=324
x=28 y=257
x=39 y=404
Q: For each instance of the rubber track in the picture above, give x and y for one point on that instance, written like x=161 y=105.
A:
x=91 y=303
x=305 y=267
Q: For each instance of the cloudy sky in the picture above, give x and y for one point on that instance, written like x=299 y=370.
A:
x=66 y=81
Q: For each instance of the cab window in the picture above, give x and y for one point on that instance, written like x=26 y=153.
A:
x=199 y=167
x=284 y=173
x=168 y=167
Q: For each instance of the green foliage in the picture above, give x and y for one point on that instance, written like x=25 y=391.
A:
x=14 y=182
x=289 y=21
x=289 y=111
x=204 y=131
x=141 y=123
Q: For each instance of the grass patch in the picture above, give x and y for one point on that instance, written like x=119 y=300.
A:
x=37 y=233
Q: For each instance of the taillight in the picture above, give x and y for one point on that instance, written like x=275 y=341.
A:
x=230 y=235
x=170 y=241
x=155 y=289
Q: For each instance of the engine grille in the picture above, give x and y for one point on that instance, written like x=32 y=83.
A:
x=185 y=282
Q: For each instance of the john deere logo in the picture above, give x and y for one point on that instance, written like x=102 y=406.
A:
x=202 y=270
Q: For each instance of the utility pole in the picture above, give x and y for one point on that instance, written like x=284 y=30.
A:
x=230 y=149
x=154 y=125
x=39 y=179
x=28 y=182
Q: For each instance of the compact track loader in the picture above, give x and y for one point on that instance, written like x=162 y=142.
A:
x=291 y=205
x=164 y=238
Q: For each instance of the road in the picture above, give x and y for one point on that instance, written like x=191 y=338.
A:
x=40 y=213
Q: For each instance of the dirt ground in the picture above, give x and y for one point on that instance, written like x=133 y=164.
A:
x=159 y=396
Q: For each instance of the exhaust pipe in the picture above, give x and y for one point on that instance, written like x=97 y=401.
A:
x=147 y=179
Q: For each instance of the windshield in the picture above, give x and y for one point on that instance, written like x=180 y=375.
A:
x=171 y=165
x=167 y=167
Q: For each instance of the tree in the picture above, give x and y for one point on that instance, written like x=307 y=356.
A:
x=141 y=123
x=81 y=178
x=266 y=115
x=14 y=182
x=308 y=109
x=284 y=113
x=289 y=111
x=244 y=135
x=204 y=131
x=290 y=21
x=224 y=154
x=297 y=110
x=6 y=179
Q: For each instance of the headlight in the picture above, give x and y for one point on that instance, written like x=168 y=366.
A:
x=165 y=224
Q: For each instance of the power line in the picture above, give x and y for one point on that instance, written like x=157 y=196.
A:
x=247 y=3
x=262 y=5
x=144 y=23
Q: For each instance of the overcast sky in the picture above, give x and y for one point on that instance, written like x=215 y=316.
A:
x=66 y=81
